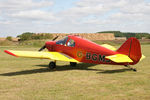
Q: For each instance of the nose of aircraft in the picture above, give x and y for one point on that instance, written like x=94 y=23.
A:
x=50 y=44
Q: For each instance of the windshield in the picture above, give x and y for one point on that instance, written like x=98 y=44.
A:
x=62 y=41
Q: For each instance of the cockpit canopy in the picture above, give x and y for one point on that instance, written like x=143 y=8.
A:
x=66 y=42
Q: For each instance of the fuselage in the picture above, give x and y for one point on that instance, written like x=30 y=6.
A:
x=82 y=50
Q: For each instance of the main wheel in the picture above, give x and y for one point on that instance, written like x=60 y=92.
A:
x=52 y=65
x=73 y=63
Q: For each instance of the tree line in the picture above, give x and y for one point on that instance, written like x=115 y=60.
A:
x=33 y=36
x=128 y=34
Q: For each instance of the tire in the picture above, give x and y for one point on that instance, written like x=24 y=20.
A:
x=52 y=65
x=73 y=64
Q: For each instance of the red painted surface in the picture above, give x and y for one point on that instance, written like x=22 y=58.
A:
x=10 y=53
x=131 y=48
x=85 y=47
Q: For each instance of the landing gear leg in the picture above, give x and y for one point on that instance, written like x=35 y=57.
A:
x=52 y=65
x=134 y=69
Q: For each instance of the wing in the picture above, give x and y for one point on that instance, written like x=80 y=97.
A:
x=119 y=58
x=109 y=47
x=42 y=55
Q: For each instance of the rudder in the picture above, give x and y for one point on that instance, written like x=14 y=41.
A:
x=132 y=48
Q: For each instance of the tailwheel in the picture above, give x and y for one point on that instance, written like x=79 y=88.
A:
x=52 y=65
x=73 y=64
x=134 y=69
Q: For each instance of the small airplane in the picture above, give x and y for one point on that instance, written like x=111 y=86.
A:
x=75 y=49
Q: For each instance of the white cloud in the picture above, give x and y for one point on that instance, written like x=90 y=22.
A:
x=34 y=15
x=23 y=4
x=129 y=14
x=84 y=16
x=24 y=9
x=12 y=10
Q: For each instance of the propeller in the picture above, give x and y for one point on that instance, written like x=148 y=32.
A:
x=55 y=38
x=42 y=48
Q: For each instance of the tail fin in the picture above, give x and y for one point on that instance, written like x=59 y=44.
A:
x=132 y=49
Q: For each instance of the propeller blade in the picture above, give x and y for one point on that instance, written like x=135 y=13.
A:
x=42 y=48
x=55 y=38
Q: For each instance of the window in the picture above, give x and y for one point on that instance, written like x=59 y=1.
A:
x=71 y=43
x=62 y=41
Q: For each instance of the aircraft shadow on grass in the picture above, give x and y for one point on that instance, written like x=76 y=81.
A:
x=81 y=66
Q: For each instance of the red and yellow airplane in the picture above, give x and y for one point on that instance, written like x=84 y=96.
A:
x=76 y=49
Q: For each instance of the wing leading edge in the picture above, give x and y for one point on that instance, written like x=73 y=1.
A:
x=42 y=55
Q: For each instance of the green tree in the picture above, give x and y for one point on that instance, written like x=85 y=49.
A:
x=148 y=37
x=9 y=38
x=128 y=34
x=26 y=36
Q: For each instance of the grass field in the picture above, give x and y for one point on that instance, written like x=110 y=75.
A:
x=30 y=79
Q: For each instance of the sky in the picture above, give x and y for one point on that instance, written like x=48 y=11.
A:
x=73 y=16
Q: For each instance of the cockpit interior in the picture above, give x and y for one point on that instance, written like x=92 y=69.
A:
x=66 y=42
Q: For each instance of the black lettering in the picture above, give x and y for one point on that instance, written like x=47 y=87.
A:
x=88 y=56
x=102 y=58
x=94 y=57
x=108 y=61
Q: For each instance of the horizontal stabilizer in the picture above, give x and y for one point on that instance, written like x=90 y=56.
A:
x=42 y=55
x=119 y=58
